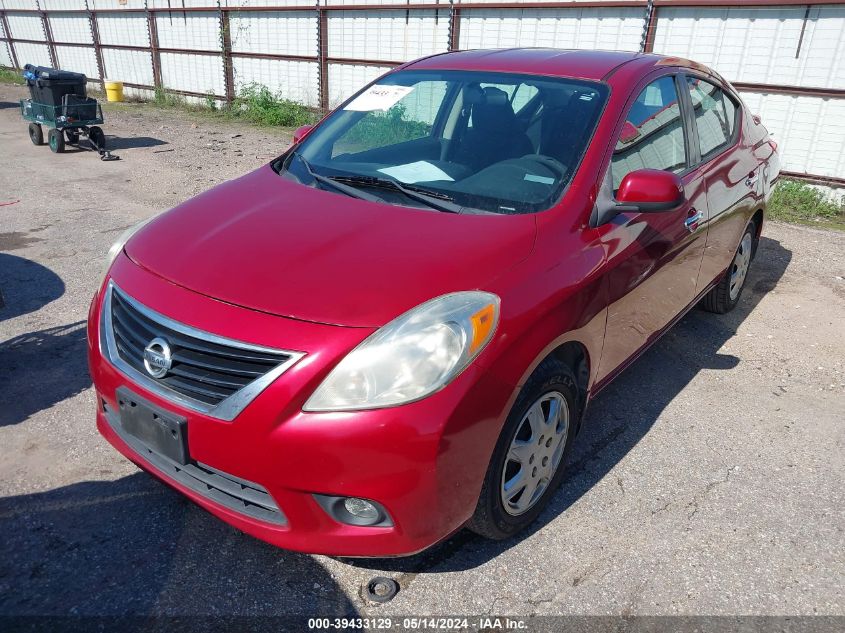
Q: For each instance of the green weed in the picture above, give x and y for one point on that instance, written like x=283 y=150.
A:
x=257 y=104
x=797 y=202
x=11 y=76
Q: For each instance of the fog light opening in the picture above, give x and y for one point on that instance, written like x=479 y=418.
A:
x=355 y=511
x=362 y=509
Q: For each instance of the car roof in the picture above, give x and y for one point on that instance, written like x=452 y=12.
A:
x=581 y=64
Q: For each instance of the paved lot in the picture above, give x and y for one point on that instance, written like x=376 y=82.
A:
x=708 y=479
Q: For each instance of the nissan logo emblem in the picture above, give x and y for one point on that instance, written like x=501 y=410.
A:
x=157 y=357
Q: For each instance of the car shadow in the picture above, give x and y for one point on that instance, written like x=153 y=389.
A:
x=618 y=418
x=8 y=105
x=114 y=143
x=41 y=369
x=131 y=547
x=25 y=285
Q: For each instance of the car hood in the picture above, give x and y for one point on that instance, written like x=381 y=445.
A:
x=267 y=243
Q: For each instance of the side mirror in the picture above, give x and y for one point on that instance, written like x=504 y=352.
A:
x=301 y=132
x=650 y=191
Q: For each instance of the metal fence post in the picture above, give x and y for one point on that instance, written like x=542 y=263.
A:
x=454 y=26
x=10 y=46
x=48 y=35
x=95 y=39
x=322 y=56
x=649 y=28
x=152 y=31
x=226 y=47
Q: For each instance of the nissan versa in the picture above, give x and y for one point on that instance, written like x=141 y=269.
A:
x=392 y=331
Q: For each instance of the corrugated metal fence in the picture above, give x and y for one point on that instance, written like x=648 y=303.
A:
x=788 y=60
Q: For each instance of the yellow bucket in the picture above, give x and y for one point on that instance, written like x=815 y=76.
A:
x=114 y=90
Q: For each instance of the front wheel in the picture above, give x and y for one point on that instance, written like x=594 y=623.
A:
x=57 y=140
x=527 y=463
x=725 y=296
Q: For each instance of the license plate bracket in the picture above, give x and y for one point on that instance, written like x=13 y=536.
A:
x=159 y=430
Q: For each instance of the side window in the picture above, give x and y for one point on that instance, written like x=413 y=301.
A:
x=715 y=115
x=412 y=117
x=653 y=133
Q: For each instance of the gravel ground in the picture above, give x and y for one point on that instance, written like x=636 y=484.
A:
x=708 y=478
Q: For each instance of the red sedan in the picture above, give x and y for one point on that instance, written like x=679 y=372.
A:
x=393 y=330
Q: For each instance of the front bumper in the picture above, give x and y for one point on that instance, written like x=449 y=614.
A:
x=423 y=462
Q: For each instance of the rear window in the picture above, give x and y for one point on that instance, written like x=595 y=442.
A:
x=715 y=116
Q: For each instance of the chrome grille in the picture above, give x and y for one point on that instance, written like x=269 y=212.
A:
x=208 y=373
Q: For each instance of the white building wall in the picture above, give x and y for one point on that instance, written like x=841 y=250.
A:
x=387 y=35
x=81 y=60
x=810 y=131
x=26 y=26
x=280 y=32
x=760 y=45
x=587 y=28
x=198 y=30
x=70 y=27
x=35 y=54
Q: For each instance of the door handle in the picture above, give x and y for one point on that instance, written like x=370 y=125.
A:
x=692 y=220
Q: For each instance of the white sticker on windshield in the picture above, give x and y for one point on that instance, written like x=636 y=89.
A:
x=378 y=98
x=420 y=171
x=545 y=180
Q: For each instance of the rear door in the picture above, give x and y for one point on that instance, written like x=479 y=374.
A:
x=653 y=258
x=727 y=164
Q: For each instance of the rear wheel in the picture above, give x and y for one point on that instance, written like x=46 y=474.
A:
x=527 y=463
x=36 y=135
x=57 y=140
x=725 y=296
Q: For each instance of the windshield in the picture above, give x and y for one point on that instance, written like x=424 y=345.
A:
x=458 y=141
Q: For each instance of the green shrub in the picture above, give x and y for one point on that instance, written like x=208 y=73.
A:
x=166 y=99
x=794 y=201
x=257 y=104
x=11 y=76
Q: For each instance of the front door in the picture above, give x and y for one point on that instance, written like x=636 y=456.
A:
x=653 y=259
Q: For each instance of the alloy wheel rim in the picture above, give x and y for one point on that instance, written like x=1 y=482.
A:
x=740 y=265
x=535 y=453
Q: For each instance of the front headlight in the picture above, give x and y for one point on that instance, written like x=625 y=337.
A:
x=412 y=356
x=115 y=249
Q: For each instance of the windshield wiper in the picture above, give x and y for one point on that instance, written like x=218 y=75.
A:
x=338 y=186
x=438 y=201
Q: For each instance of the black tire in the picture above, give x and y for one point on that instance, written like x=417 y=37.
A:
x=490 y=519
x=72 y=136
x=97 y=136
x=56 y=139
x=719 y=299
x=36 y=134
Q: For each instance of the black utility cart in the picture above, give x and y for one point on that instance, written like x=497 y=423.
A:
x=59 y=102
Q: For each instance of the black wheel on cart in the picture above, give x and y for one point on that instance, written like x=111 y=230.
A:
x=97 y=137
x=57 y=140
x=35 y=134
x=72 y=136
